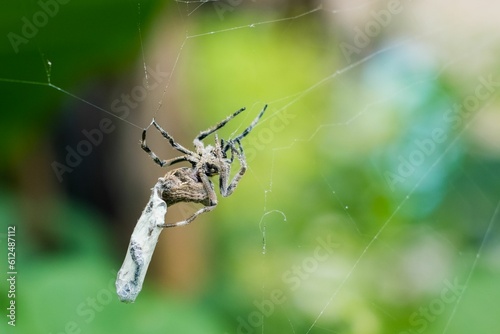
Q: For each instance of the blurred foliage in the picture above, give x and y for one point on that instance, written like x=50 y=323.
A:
x=81 y=38
x=320 y=237
x=70 y=288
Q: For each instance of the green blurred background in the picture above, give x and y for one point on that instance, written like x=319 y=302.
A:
x=371 y=200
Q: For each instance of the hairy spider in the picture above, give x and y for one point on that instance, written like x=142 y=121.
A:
x=193 y=184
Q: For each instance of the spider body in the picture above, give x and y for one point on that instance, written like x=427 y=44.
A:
x=183 y=185
x=193 y=184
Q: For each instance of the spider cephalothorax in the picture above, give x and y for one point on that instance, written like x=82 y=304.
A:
x=192 y=184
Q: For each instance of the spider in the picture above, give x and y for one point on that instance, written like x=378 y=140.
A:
x=193 y=184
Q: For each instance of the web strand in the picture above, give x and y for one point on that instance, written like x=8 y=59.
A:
x=391 y=217
x=473 y=267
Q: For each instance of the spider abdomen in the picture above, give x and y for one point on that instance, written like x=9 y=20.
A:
x=183 y=185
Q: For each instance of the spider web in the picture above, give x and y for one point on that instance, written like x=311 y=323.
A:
x=355 y=171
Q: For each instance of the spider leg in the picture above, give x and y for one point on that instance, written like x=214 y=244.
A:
x=207 y=132
x=213 y=203
x=173 y=161
x=158 y=161
x=225 y=171
x=230 y=143
x=190 y=219
x=171 y=140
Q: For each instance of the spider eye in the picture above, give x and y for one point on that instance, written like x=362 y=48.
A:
x=211 y=169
